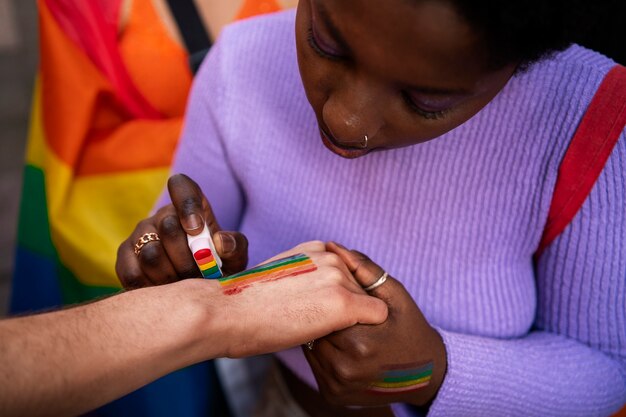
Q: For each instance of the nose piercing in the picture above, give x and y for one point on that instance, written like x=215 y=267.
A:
x=364 y=143
x=361 y=144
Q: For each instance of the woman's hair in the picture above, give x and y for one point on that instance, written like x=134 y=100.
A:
x=526 y=30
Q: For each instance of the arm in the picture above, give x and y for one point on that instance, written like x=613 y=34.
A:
x=94 y=353
x=573 y=362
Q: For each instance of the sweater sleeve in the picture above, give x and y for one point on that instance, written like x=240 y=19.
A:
x=573 y=361
x=202 y=153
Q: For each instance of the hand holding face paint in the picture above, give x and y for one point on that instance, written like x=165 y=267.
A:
x=170 y=259
x=400 y=360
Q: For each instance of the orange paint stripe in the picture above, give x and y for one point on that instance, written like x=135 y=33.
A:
x=249 y=279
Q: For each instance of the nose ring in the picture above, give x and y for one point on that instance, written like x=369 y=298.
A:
x=364 y=142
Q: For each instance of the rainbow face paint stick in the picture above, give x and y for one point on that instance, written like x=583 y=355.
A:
x=403 y=378
x=205 y=255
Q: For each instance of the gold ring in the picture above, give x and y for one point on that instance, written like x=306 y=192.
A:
x=144 y=240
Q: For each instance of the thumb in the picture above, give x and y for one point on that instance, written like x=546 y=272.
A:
x=363 y=269
x=369 y=310
x=191 y=205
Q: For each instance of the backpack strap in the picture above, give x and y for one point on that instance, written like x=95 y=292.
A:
x=587 y=154
x=196 y=38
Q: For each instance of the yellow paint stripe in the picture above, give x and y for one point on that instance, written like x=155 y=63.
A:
x=401 y=384
x=269 y=272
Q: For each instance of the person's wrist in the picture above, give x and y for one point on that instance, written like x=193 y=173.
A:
x=440 y=368
x=422 y=399
x=200 y=313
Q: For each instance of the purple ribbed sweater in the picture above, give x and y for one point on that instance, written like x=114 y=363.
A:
x=456 y=220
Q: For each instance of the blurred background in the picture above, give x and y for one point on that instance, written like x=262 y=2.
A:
x=18 y=61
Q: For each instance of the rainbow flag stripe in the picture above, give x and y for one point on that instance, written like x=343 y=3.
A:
x=100 y=146
x=280 y=268
x=397 y=380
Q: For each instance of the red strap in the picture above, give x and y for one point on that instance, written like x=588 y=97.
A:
x=587 y=154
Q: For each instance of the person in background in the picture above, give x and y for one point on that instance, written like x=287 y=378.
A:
x=106 y=117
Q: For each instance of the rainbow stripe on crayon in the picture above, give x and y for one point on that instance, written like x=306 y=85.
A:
x=399 y=379
x=280 y=268
x=205 y=255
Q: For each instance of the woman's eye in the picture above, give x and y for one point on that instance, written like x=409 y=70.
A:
x=321 y=48
x=429 y=111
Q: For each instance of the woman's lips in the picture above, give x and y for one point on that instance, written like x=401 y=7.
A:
x=343 y=151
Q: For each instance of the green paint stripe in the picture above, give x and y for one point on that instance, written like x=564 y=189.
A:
x=266 y=268
x=408 y=377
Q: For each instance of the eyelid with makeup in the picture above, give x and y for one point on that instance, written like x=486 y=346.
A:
x=427 y=114
x=318 y=49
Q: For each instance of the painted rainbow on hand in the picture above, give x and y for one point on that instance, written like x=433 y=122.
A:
x=403 y=378
x=280 y=268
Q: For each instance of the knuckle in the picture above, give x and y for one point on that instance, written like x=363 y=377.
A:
x=361 y=349
x=144 y=225
x=163 y=211
x=190 y=272
x=132 y=279
x=333 y=275
x=169 y=227
x=344 y=373
x=151 y=255
x=332 y=260
x=312 y=246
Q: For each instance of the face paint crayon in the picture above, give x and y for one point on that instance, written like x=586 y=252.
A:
x=205 y=255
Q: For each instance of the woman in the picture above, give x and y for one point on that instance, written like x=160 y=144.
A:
x=476 y=325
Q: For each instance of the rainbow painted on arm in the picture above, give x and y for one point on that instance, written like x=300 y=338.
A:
x=403 y=378
x=271 y=271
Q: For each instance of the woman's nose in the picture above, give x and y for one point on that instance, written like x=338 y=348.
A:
x=349 y=115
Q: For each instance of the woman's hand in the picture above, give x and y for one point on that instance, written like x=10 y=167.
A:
x=170 y=259
x=400 y=360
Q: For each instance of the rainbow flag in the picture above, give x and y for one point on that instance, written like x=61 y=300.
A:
x=97 y=158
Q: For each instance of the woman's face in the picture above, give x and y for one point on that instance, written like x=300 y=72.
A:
x=399 y=71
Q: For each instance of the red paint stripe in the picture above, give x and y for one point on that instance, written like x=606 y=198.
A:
x=274 y=276
x=392 y=391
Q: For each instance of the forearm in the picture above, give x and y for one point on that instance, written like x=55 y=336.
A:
x=70 y=361
x=538 y=375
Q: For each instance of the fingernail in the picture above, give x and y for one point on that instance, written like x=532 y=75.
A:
x=194 y=221
x=229 y=244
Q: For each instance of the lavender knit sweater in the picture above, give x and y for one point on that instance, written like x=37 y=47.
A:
x=456 y=220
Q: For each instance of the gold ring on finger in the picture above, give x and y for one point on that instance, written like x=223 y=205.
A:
x=144 y=240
